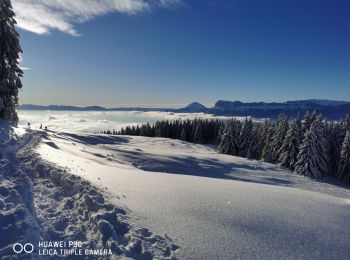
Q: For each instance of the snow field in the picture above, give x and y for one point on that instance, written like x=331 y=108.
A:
x=213 y=206
x=42 y=202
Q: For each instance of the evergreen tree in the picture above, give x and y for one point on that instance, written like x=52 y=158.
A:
x=229 y=139
x=254 y=150
x=312 y=157
x=159 y=129
x=183 y=135
x=335 y=144
x=309 y=118
x=322 y=145
x=219 y=130
x=263 y=135
x=179 y=130
x=10 y=72
x=279 y=134
x=344 y=164
x=344 y=126
x=193 y=128
x=222 y=129
x=266 y=154
x=290 y=147
x=306 y=164
x=245 y=139
x=198 y=133
x=225 y=139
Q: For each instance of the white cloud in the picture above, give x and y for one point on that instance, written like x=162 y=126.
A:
x=25 y=68
x=170 y=3
x=43 y=16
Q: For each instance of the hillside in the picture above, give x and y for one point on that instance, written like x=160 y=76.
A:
x=194 y=107
x=118 y=193
x=42 y=203
x=210 y=205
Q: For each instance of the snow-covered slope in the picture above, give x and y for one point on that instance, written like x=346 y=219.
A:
x=213 y=206
x=40 y=201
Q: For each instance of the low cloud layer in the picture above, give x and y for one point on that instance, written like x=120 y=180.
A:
x=43 y=16
x=90 y=122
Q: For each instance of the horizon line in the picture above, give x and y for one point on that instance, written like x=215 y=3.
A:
x=163 y=106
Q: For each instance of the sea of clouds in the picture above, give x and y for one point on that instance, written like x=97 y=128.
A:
x=93 y=121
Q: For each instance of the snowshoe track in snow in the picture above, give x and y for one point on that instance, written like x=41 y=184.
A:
x=64 y=207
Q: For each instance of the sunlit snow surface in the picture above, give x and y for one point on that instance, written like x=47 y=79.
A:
x=42 y=202
x=213 y=206
x=92 y=121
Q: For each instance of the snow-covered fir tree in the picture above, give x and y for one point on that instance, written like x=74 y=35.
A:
x=322 y=144
x=220 y=131
x=263 y=135
x=254 y=149
x=344 y=164
x=228 y=143
x=308 y=119
x=290 y=147
x=194 y=127
x=313 y=154
x=198 y=133
x=224 y=139
x=306 y=164
x=266 y=153
x=10 y=72
x=335 y=142
x=183 y=135
x=245 y=138
x=344 y=126
x=279 y=134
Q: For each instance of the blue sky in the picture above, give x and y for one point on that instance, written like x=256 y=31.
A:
x=171 y=52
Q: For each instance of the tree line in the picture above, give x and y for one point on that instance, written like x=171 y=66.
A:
x=309 y=146
x=196 y=131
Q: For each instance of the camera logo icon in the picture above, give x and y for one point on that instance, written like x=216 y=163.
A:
x=19 y=248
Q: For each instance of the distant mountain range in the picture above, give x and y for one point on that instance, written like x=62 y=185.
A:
x=329 y=108
x=89 y=108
